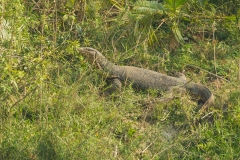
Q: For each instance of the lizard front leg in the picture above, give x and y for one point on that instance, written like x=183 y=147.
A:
x=114 y=85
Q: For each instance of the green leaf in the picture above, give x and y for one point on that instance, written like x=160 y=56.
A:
x=174 y=4
x=149 y=7
x=178 y=3
x=70 y=3
x=117 y=4
x=177 y=33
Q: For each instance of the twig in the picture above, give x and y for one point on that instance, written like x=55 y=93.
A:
x=115 y=153
x=162 y=21
x=239 y=69
x=149 y=145
x=170 y=146
x=53 y=84
x=214 y=46
x=207 y=115
x=190 y=65
x=23 y=97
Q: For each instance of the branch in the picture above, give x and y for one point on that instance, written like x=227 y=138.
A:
x=190 y=65
x=23 y=97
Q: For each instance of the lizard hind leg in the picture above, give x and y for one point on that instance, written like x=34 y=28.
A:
x=180 y=75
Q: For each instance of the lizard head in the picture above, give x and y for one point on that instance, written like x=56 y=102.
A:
x=92 y=54
x=89 y=52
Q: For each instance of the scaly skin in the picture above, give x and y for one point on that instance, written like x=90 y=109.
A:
x=147 y=79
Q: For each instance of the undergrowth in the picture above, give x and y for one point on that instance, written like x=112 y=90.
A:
x=52 y=101
x=74 y=121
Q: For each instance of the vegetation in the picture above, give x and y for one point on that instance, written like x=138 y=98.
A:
x=51 y=105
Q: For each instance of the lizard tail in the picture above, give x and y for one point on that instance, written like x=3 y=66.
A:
x=200 y=92
x=207 y=104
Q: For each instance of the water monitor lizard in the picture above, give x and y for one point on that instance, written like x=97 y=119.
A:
x=147 y=79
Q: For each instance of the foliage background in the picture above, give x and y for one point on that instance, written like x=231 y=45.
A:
x=50 y=103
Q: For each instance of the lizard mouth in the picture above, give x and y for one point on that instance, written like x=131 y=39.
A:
x=82 y=49
x=87 y=49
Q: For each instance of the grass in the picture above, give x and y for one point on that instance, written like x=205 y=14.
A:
x=69 y=119
x=59 y=111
